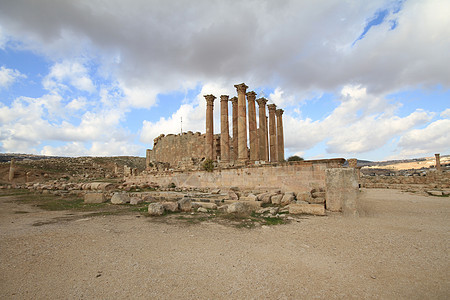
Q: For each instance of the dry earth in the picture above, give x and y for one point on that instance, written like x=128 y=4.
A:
x=397 y=249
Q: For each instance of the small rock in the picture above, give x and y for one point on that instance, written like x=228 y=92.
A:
x=202 y=209
x=215 y=191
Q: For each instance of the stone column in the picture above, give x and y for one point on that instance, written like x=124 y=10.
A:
x=234 y=102
x=438 y=162
x=11 y=169
x=262 y=133
x=280 y=136
x=353 y=163
x=272 y=133
x=209 y=146
x=224 y=131
x=242 y=126
x=254 y=151
x=266 y=136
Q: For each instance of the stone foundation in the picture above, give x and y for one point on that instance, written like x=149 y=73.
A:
x=299 y=177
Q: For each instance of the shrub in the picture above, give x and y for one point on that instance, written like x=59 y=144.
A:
x=208 y=165
x=295 y=158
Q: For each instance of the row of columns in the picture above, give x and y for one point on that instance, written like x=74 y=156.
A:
x=268 y=138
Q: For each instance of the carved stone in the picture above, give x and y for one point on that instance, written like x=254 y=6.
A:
x=234 y=102
x=262 y=132
x=224 y=131
x=272 y=133
x=242 y=126
x=209 y=146
x=280 y=135
x=254 y=151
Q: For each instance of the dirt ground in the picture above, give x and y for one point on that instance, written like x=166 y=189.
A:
x=397 y=249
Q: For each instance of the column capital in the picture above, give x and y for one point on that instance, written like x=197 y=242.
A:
x=224 y=98
x=209 y=99
x=234 y=100
x=251 y=96
x=241 y=88
x=272 y=107
x=279 y=112
x=261 y=101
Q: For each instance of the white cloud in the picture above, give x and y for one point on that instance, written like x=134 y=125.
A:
x=68 y=72
x=446 y=113
x=109 y=148
x=8 y=76
x=361 y=123
x=435 y=138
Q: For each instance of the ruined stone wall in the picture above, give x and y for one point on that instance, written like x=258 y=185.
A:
x=293 y=177
x=431 y=180
x=178 y=148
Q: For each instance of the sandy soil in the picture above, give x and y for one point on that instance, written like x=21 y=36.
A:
x=397 y=249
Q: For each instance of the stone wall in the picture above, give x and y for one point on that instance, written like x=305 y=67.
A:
x=431 y=179
x=296 y=177
x=173 y=148
x=178 y=149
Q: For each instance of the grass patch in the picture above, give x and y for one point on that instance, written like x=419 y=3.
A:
x=273 y=221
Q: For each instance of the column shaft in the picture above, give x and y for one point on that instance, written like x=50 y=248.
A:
x=280 y=135
x=242 y=126
x=224 y=131
x=254 y=151
x=234 y=102
x=266 y=136
x=209 y=146
x=272 y=133
x=262 y=132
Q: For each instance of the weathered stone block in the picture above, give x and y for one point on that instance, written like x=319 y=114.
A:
x=342 y=190
x=435 y=193
x=276 y=199
x=316 y=200
x=136 y=201
x=155 y=209
x=94 y=198
x=185 y=204
x=170 y=206
x=207 y=205
x=309 y=209
x=287 y=198
x=236 y=207
x=120 y=198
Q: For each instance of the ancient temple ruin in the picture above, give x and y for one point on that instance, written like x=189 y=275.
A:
x=266 y=141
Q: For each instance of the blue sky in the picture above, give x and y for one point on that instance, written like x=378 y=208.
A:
x=356 y=79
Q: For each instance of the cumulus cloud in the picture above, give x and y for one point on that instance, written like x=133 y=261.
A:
x=433 y=138
x=296 y=45
x=8 y=76
x=68 y=72
x=350 y=128
x=143 y=49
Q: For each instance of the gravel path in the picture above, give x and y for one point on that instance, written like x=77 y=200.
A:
x=397 y=249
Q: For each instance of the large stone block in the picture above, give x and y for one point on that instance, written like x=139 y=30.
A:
x=170 y=206
x=155 y=209
x=309 y=209
x=342 y=190
x=94 y=198
x=185 y=204
x=120 y=198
